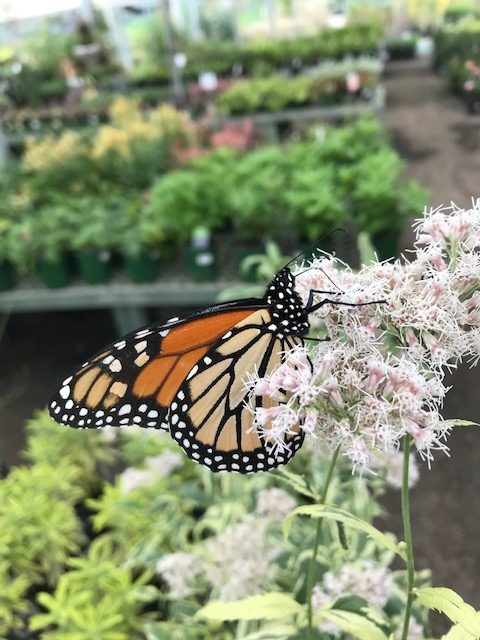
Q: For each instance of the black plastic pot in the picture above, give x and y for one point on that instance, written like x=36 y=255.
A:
x=141 y=268
x=7 y=277
x=55 y=273
x=95 y=267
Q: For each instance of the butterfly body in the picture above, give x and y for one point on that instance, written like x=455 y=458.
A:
x=190 y=376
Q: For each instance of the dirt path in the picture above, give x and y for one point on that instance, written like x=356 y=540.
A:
x=434 y=133
x=441 y=144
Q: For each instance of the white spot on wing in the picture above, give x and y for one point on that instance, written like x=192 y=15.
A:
x=141 y=346
x=126 y=408
x=192 y=372
x=116 y=366
x=65 y=392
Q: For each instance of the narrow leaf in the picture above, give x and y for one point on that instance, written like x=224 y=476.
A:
x=272 y=632
x=461 y=423
x=348 y=519
x=453 y=606
x=296 y=482
x=354 y=624
x=269 y=606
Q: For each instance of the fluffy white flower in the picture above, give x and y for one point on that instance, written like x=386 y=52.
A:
x=381 y=374
x=275 y=503
x=165 y=463
x=368 y=580
x=238 y=564
x=131 y=479
x=180 y=571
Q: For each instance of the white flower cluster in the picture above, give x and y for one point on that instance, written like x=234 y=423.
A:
x=381 y=373
x=368 y=580
x=238 y=568
x=232 y=565
x=275 y=503
x=180 y=571
x=160 y=466
x=371 y=581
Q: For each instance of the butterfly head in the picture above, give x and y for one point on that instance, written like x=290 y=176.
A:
x=286 y=307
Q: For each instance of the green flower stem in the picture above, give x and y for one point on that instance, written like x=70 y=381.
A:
x=407 y=531
x=316 y=544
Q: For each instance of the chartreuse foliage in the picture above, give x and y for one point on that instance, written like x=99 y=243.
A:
x=95 y=599
x=80 y=547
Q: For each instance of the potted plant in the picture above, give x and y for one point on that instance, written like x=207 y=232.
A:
x=143 y=246
x=314 y=203
x=201 y=260
x=256 y=200
x=99 y=223
x=49 y=234
x=381 y=202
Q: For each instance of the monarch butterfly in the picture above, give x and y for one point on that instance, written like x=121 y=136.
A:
x=189 y=376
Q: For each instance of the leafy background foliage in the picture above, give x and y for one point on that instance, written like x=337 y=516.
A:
x=79 y=546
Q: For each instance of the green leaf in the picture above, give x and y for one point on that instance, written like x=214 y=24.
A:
x=354 y=624
x=273 y=632
x=296 y=482
x=339 y=515
x=453 y=606
x=461 y=423
x=268 y=606
x=457 y=633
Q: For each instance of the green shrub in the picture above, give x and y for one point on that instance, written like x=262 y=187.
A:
x=326 y=83
x=379 y=200
x=315 y=203
x=84 y=451
x=38 y=526
x=13 y=603
x=95 y=599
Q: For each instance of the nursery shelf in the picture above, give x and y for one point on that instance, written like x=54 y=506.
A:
x=30 y=296
x=375 y=105
x=127 y=300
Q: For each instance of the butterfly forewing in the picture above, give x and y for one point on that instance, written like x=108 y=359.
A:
x=134 y=380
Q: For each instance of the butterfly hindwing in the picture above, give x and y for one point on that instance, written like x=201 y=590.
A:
x=210 y=416
x=134 y=381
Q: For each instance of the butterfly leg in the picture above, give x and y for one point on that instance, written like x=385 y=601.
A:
x=314 y=291
x=312 y=308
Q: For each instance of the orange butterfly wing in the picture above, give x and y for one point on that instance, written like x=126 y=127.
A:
x=134 y=380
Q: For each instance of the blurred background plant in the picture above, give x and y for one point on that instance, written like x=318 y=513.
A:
x=116 y=534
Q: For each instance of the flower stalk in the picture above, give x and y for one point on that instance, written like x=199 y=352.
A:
x=316 y=544
x=407 y=530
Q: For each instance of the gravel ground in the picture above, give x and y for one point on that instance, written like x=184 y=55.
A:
x=440 y=142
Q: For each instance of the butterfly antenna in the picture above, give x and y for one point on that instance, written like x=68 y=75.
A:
x=314 y=245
